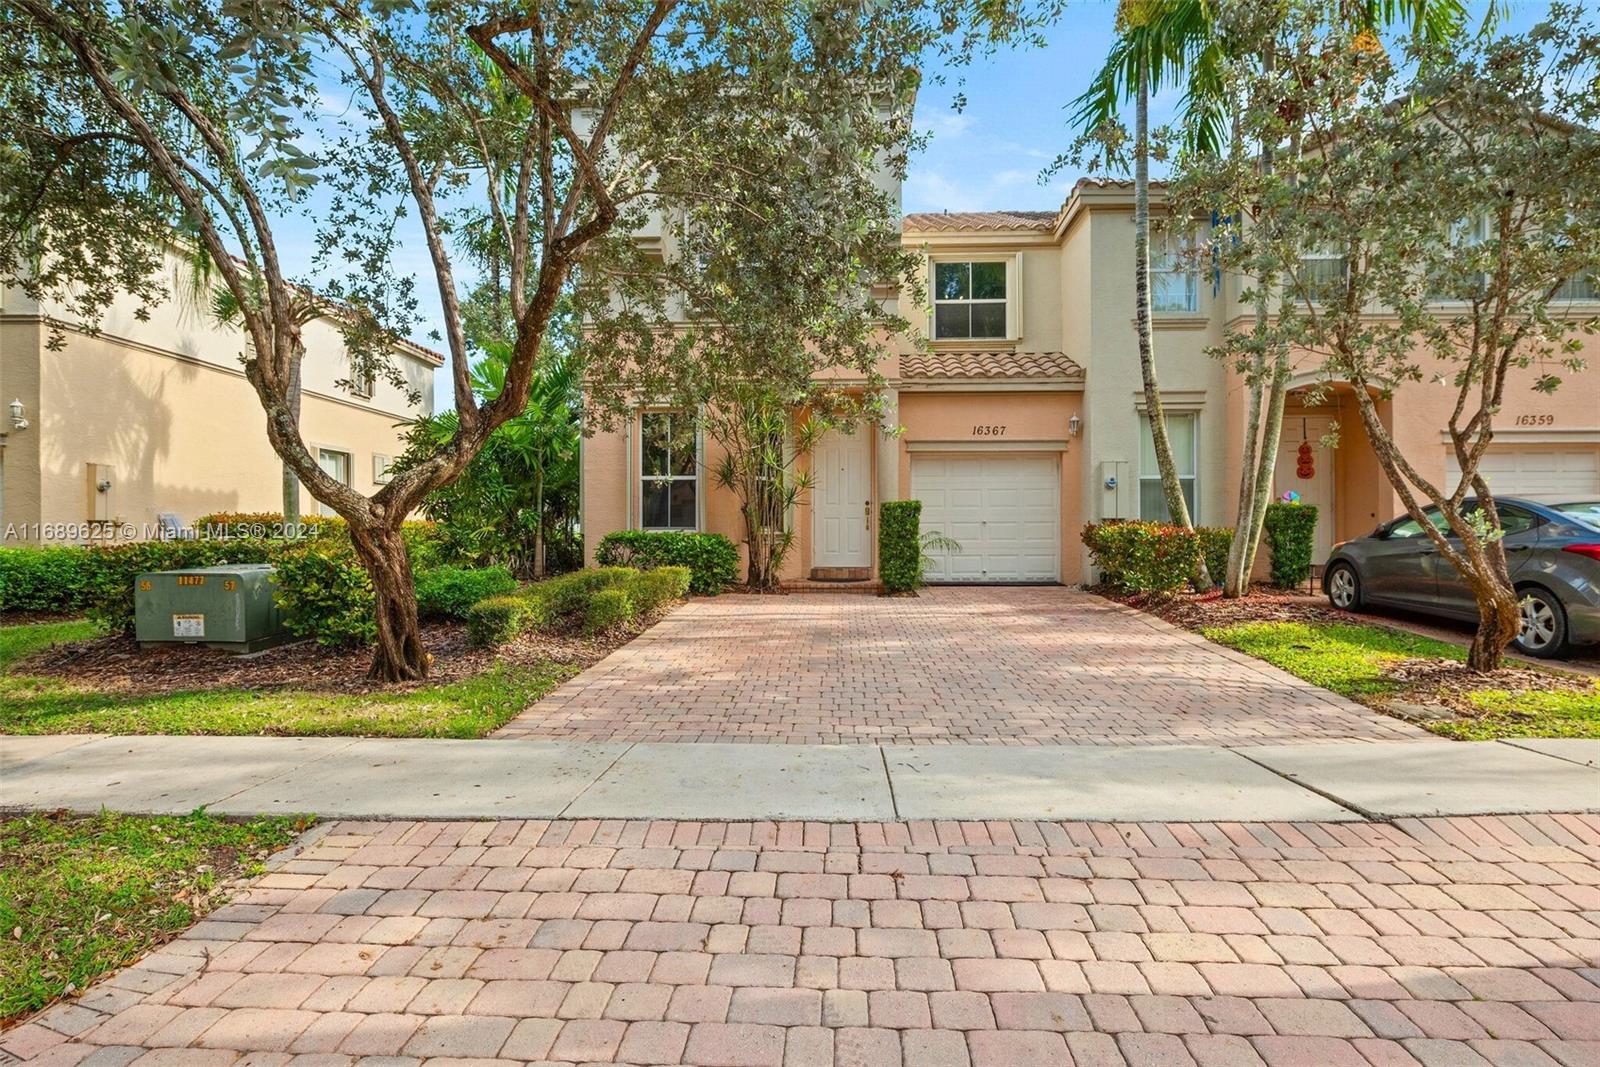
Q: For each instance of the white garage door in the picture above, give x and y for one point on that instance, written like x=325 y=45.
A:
x=1005 y=511
x=1552 y=473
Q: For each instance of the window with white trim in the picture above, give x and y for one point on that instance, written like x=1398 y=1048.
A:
x=1464 y=234
x=669 y=466
x=337 y=466
x=1322 y=269
x=969 y=300
x=1174 y=272
x=1183 y=433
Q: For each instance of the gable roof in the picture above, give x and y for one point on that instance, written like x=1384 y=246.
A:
x=978 y=221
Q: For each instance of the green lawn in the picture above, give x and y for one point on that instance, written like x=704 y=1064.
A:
x=83 y=895
x=471 y=707
x=1350 y=659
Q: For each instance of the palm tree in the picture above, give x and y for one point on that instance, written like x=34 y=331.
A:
x=1169 y=40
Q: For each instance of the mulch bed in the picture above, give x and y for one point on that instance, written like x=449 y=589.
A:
x=118 y=664
x=1264 y=604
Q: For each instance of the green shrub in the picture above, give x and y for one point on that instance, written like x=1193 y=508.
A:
x=114 y=569
x=57 y=578
x=1291 y=531
x=900 y=545
x=497 y=619
x=1215 y=541
x=1143 y=557
x=651 y=589
x=607 y=609
x=224 y=524
x=568 y=595
x=450 y=592
x=712 y=559
x=325 y=594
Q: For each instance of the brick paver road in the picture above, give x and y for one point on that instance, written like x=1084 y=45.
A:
x=1009 y=666
x=1452 y=942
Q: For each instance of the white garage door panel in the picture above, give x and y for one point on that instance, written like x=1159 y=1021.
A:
x=1004 y=510
x=1551 y=473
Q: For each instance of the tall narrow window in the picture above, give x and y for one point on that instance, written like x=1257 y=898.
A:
x=669 y=467
x=1174 y=272
x=1457 y=284
x=969 y=301
x=337 y=466
x=1181 y=432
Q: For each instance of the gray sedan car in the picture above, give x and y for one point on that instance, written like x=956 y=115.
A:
x=1552 y=550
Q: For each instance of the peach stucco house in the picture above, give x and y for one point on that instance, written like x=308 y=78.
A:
x=153 y=416
x=1022 y=414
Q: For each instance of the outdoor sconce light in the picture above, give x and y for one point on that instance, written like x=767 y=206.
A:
x=1074 y=424
x=18 y=418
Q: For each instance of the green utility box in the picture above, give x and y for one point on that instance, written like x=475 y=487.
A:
x=228 y=607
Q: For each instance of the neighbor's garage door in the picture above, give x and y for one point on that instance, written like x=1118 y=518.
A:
x=1005 y=511
x=1552 y=473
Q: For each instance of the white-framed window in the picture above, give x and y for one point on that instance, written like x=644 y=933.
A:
x=1321 y=269
x=380 y=468
x=1580 y=287
x=1466 y=233
x=1183 y=431
x=336 y=465
x=969 y=300
x=669 y=471
x=1174 y=271
x=361 y=380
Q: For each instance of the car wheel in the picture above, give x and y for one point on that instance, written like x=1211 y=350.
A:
x=1544 y=624
x=1344 y=587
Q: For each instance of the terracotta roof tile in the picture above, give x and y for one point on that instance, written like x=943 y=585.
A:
x=979 y=220
x=952 y=365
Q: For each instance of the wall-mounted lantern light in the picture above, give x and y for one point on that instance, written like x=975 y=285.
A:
x=1074 y=424
x=19 y=419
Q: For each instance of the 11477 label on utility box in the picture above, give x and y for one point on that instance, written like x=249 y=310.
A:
x=188 y=626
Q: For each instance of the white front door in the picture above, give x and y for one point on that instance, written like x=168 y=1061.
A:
x=1306 y=432
x=1004 y=510
x=841 y=464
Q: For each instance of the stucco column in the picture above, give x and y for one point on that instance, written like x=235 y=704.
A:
x=889 y=450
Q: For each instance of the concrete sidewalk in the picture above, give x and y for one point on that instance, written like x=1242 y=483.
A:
x=419 y=779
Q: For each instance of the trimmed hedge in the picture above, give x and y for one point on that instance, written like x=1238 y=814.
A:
x=450 y=592
x=1291 y=531
x=568 y=596
x=608 y=609
x=712 y=559
x=650 y=589
x=497 y=620
x=49 y=578
x=1215 y=541
x=1143 y=557
x=900 y=545
x=325 y=594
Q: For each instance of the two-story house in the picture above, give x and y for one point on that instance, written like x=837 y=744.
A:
x=152 y=416
x=1022 y=416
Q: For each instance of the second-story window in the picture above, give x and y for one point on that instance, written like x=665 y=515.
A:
x=1322 y=270
x=1174 y=272
x=969 y=300
x=670 y=471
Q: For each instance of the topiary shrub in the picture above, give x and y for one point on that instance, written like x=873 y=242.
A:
x=568 y=596
x=607 y=609
x=712 y=559
x=114 y=568
x=1143 y=557
x=450 y=592
x=1291 y=531
x=651 y=589
x=497 y=619
x=1215 y=541
x=57 y=578
x=325 y=594
x=900 y=545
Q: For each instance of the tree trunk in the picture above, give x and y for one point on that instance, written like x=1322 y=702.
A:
x=1266 y=461
x=1171 y=487
x=539 y=571
x=291 y=484
x=1499 y=621
x=399 y=656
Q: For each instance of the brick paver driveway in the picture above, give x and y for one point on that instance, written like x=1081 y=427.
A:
x=1453 y=942
x=1012 y=666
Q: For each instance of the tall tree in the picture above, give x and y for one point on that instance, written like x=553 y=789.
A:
x=1459 y=183
x=126 y=121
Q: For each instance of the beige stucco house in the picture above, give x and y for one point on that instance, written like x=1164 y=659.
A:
x=1022 y=416
x=151 y=417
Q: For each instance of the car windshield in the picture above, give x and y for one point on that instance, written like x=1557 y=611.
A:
x=1585 y=511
